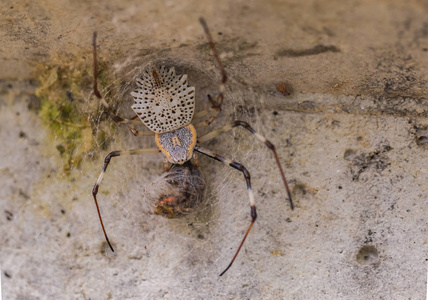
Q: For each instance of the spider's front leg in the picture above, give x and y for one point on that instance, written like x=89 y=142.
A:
x=110 y=111
x=258 y=136
x=215 y=104
x=100 y=178
x=247 y=176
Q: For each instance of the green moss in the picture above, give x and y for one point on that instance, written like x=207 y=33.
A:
x=64 y=92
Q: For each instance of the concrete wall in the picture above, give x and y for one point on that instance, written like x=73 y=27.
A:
x=338 y=86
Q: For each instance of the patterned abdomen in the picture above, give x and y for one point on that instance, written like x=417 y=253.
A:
x=164 y=101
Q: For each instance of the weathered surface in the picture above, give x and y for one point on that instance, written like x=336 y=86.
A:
x=352 y=137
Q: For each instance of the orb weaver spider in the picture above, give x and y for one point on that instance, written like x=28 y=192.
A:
x=165 y=103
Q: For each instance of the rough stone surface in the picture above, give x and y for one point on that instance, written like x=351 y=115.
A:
x=352 y=137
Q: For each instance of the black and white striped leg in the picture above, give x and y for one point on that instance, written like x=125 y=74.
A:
x=247 y=176
x=261 y=138
x=100 y=178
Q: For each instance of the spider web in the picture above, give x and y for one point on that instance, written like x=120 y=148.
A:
x=137 y=174
x=60 y=206
x=226 y=202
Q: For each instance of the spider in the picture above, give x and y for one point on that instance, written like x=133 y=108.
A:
x=165 y=103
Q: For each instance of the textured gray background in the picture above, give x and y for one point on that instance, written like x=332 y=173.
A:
x=351 y=137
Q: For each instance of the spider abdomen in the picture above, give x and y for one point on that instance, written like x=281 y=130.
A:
x=163 y=100
x=177 y=145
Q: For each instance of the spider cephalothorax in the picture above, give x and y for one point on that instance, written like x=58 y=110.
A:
x=165 y=104
x=177 y=145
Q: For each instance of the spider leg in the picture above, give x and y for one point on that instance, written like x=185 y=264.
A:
x=214 y=110
x=195 y=159
x=204 y=113
x=261 y=138
x=215 y=104
x=140 y=133
x=100 y=178
x=136 y=132
x=247 y=176
x=166 y=165
x=110 y=111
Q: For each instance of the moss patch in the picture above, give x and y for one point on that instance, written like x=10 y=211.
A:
x=67 y=108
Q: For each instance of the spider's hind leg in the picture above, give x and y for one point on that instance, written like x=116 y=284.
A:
x=247 y=176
